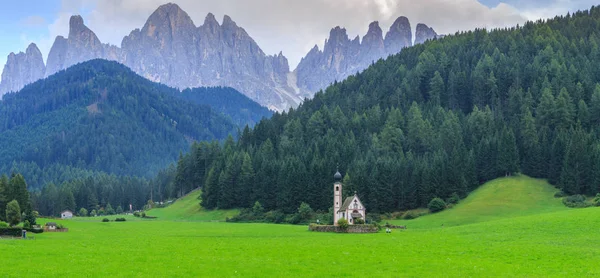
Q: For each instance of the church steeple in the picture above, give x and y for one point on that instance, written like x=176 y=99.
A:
x=337 y=195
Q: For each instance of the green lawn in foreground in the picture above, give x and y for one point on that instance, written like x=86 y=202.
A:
x=188 y=208
x=559 y=243
x=498 y=199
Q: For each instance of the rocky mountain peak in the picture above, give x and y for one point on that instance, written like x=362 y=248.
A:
x=424 y=33
x=372 y=46
x=22 y=69
x=228 y=23
x=374 y=36
x=337 y=38
x=32 y=49
x=168 y=17
x=399 y=36
x=210 y=20
x=76 y=23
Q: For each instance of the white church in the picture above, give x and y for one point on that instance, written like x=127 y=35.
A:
x=351 y=209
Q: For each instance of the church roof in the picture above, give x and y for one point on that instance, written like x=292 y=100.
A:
x=348 y=202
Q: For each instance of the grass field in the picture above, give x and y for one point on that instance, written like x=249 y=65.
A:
x=498 y=199
x=540 y=239
x=188 y=209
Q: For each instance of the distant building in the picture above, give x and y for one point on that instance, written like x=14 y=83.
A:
x=351 y=209
x=50 y=226
x=67 y=214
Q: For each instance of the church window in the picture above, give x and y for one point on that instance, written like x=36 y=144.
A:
x=337 y=188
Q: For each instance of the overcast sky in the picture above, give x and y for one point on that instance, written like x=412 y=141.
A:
x=291 y=26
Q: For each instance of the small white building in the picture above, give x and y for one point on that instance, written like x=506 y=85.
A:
x=67 y=214
x=351 y=209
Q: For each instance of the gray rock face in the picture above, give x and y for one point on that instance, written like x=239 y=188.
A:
x=172 y=50
x=424 y=33
x=22 y=69
x=399 y=36
x=81 y=45
x=342 y=57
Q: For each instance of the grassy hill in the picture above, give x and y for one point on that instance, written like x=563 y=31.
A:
x=498 y=199
x=188 y=208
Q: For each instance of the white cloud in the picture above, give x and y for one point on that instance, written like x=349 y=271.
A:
x=33 y=21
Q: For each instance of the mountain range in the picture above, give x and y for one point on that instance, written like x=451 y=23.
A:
x=172 y=50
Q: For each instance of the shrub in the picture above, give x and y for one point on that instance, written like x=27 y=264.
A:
x=305 y=211
x=359 y=221
x=35 y=230
x=83 y=212
x=275 y=216
x=576 y=201
x=343 y=224
x=143 y=214
x=436 y=205
x=13 y=213
x=3 y=224
x=597 y=200
x=105 y=220
x=560 y=194
x=12 y=232
x=136 y=214
x=27 y=224
x=119 y=210
x=120 y=220
x=373 y=217
x=453 y=199
x=410 y=215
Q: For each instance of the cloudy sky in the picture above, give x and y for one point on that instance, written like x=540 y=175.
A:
x=290 y=26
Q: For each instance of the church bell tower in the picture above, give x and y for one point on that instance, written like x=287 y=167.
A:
x=337 y=196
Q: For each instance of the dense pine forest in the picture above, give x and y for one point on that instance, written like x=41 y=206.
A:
x=434 y=120
x=100 y=117
x=233 y=104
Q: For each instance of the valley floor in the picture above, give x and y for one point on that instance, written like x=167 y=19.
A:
x=556 y=242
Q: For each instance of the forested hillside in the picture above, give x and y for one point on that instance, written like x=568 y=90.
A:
x=99 y=116
x=436 y=119
x=238 y=107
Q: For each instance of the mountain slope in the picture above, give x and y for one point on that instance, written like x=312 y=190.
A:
x=436 y=119
x=242 y=110
x=101 y=116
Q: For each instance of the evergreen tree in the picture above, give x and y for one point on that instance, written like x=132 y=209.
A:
x=3 y=196
x=576 y=172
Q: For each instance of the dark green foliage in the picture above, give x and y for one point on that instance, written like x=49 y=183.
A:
x=453 y=199
x=596 y=200
x=13 y=213
x=241 y=109
x=83 y=212
x=94 y=194
x=576 y=201
x=560 y=194
x=11 y=232
x=343 y=224
x=99 y=116
x=120 y=220
x=105 y=220
x=436 y=204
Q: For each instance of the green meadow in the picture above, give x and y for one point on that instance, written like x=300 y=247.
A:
x=509 y=227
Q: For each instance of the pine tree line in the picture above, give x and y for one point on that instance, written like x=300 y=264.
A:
x=436 y=119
